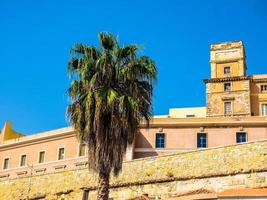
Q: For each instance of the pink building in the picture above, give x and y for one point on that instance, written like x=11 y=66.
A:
x=59 y=149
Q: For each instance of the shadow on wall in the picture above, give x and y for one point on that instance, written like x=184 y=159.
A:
x=143 y=147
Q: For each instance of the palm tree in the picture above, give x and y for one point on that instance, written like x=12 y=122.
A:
x=111 y=93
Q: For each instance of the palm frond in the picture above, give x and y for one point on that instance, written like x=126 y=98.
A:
x=111 y=93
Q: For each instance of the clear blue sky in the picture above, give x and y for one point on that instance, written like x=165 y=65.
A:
x=36 y=37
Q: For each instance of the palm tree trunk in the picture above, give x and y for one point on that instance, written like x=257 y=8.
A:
x=103 y=185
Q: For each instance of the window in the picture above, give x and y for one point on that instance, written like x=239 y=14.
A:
x=227 y=86
x=6 y=163
x=82 y=150
x=41 y=157
x=241 y=137
x=160 y=140
x=227 y=70
x=201 y=140
x=227 y=108
x=190 y=116
x=85 y=194
x=264 y=109
x=263 y=88
x=23 y=160
x=61 y=153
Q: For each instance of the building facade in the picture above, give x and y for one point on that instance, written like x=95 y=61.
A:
x=230 y=91
x=236 y=112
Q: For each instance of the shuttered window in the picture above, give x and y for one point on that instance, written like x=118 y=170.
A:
x=264 y=109
x=227 y=70
x=201 y=140
x=241 y=137
x=160 y=140
x=82 y=150
x=227 y=86
x=41 y=156
x=263 y=87
x=6 y=163
x=23 y=160
x=61 y=153
x=227 y=108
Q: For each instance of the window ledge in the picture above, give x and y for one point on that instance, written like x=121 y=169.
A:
x=21 y=173
x=60 y=167
x=81 y=163
x=4 y=175
x=64 y=192
x=228 y=98
x=40 y=170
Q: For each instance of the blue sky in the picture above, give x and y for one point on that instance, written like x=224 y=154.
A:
x=36 y=37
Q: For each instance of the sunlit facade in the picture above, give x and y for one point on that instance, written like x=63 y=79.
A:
x=235 y=112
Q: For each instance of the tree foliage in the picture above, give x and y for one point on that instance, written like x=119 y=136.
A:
x=110 y=93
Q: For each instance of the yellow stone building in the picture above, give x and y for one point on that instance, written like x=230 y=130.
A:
x=230 y=91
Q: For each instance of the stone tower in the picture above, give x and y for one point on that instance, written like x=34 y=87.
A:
x=228 y=89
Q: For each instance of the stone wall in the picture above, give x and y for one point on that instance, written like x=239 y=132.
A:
x=239 y=96
x=214 y=169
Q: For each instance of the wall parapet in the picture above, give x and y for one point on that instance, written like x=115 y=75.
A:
x=220 y=163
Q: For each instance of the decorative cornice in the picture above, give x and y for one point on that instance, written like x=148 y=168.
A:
x=221 y=123
x=225 y=79
x=227 y=60
x=37 y=140
x=229 y=92
x=228 y=98
x=236 y=44
x=154 y=123
x=261 y=80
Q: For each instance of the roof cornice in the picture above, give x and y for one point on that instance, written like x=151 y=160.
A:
x=43 y=137
x=207 y=124
x=154 y=123
x=225 y=79
x=260 y=80
x=227 y=60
